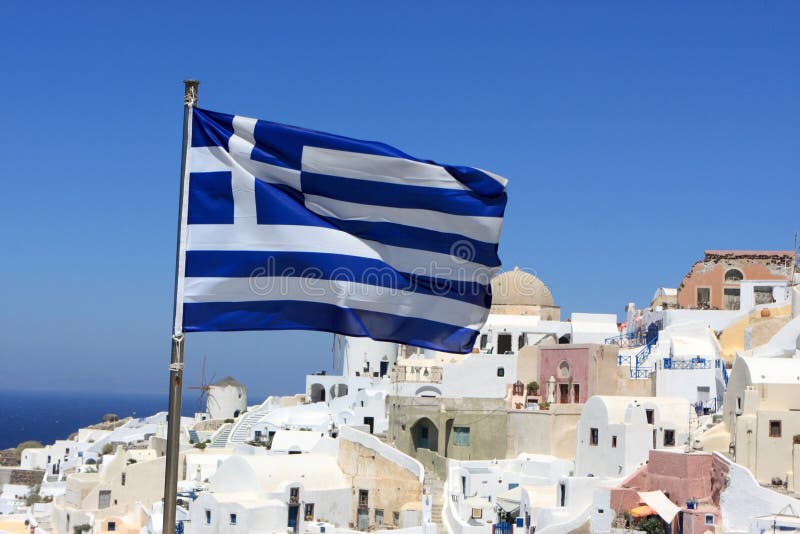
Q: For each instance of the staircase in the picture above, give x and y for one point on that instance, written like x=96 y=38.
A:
x=193 y=437
x=220 y=441
x=241 y=432
x=434 y=487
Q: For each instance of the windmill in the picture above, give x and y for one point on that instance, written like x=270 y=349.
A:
x=205 y=389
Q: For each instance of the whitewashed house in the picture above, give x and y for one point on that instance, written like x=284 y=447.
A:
x=615 y=434
x=272 y=494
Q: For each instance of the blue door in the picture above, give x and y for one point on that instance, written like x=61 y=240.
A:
x=292 y=523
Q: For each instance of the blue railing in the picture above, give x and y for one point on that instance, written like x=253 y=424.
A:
x=694 y=363
x=632 y=339
x=725 y=374
x=646 y=350
x=644 y=372
x=635 y=370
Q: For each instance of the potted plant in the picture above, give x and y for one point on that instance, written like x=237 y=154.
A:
x=544 y=405
x=533 y=388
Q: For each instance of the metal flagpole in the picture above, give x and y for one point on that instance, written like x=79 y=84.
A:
x=176 y=363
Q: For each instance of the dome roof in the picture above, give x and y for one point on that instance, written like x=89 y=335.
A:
x=520 y=288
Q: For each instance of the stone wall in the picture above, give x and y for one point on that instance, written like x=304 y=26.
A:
x=391 y=487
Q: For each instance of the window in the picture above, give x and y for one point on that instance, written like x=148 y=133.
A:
x=709 y=519
x=763 y=295
x=378 y=516
x=208 y=517
x=484 y=340
x=594 y=437
x=734 y=275
x=669 y=438
x=104 y=499
x=112 y=526
x=520 y=341
x=308 y=512
x=732 y=298
x=124 y=478
x=461 y=436
x=703 y=297
x=477 y=513
x=396 y=519
x=363 y=498
x=501 y=371
x=649 y=414
x=563 y=369
x=774 y=429
x=233 y=519
x=613 y=442
x=294 y=495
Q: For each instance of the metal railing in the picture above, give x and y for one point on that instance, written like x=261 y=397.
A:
x=694 y=363
x=631 y=339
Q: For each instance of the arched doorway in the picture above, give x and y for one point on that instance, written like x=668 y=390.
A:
x=338 y=390
x=317 y=393
x=425 y=435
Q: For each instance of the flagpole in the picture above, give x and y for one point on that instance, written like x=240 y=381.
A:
x=176 y=362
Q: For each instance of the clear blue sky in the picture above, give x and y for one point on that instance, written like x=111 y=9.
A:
x=634 y=136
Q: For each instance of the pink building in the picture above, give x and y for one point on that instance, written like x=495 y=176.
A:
x=570 y=374
x=691 y=481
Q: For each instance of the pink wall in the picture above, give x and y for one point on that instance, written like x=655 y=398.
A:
x=578 y=359
x=682 y=477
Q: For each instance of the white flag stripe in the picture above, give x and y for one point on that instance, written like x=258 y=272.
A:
x=377 y=168
x=501 y=180
x=339 y=293
x=244 y=127
x=295 y=238
x=217 y=159
x=485 y=229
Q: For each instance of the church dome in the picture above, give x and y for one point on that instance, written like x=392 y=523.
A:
x=519 y=288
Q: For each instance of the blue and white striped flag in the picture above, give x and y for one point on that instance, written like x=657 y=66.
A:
x=287 y=228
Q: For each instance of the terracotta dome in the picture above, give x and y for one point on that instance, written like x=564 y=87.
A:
x=519 y=288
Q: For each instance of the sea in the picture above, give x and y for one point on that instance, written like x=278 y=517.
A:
x=46 y=416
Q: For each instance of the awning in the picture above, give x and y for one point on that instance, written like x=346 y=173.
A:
x=509 y=500
x=659 y=502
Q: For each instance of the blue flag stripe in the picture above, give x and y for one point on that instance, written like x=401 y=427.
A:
x=299 y=315
x=450 y=201
x=241 y=264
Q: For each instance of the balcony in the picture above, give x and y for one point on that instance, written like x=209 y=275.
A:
x=412 y=373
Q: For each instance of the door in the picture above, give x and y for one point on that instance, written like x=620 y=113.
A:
x=292 y=522
x=363 y=519
x=370 y=422
x=423 y=437
x=563 y=390
x=503 y=343
x=384 y=368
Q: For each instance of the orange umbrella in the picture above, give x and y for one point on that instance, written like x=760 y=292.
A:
x=642 y=511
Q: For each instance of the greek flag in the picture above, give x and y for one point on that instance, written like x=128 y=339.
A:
x=288 y=228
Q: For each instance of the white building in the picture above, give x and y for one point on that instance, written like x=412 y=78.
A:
x=615 y=434
x=481 y=493
x=272 y=494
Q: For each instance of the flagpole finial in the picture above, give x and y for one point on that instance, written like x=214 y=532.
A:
x=190 y=92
